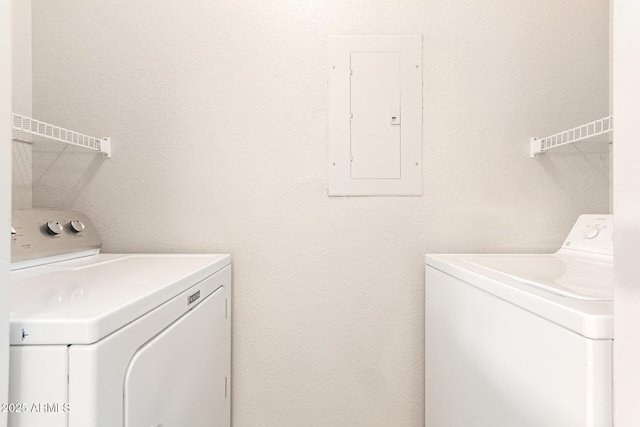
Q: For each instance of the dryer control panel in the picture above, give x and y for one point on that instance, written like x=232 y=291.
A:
x=39 y=234
x=591 y=233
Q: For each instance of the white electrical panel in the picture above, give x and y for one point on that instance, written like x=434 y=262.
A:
x=375 y=115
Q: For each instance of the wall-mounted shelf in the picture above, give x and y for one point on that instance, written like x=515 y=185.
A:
x=580 y=133
x=25 y=128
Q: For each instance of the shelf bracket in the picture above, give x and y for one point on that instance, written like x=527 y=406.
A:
x=535 y=148
x=105 y=147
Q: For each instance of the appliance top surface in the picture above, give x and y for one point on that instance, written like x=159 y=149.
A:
x=573 y=287
x=87 y=298
x=582 y=268
x=567 y=276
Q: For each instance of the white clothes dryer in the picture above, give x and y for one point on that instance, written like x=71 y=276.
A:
x=114 y=340
x=522 y=340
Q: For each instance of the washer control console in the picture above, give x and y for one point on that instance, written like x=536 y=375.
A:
x=591 y=233
x=37 y=234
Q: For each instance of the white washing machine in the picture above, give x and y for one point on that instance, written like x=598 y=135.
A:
x=522 y=340
x=113 y=340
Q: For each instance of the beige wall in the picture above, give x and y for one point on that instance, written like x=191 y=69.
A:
x=218 y=114
x=21 y=89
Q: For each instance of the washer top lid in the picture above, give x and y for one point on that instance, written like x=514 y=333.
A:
x=521 y=280
x=83 y=300
x=567 y=276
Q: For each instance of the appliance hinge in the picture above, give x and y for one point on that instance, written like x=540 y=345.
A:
x=226 y=315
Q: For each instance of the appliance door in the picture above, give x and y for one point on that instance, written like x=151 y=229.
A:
x=179 y=378
x=490 y=363
x=174 y=360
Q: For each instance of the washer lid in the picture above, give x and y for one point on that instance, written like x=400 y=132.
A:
x=568 y=276
x=86 y=299
x=572 y=292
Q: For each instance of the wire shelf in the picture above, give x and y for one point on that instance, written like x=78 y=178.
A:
x=580 y=133
x=25 y=128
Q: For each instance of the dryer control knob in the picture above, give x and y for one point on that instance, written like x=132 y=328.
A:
x=76 y=226
x=53 y=227
x=590 y=232
x=13 y=231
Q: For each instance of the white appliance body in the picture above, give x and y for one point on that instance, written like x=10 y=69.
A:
x=120 y=340
x=522 y=340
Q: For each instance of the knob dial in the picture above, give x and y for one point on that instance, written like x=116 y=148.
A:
x=53 y=227
x=13 y=231
x=76 y=226
x=590 y=232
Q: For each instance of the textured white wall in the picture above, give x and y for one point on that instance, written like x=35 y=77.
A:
x=21 y=89
x=218 y=113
